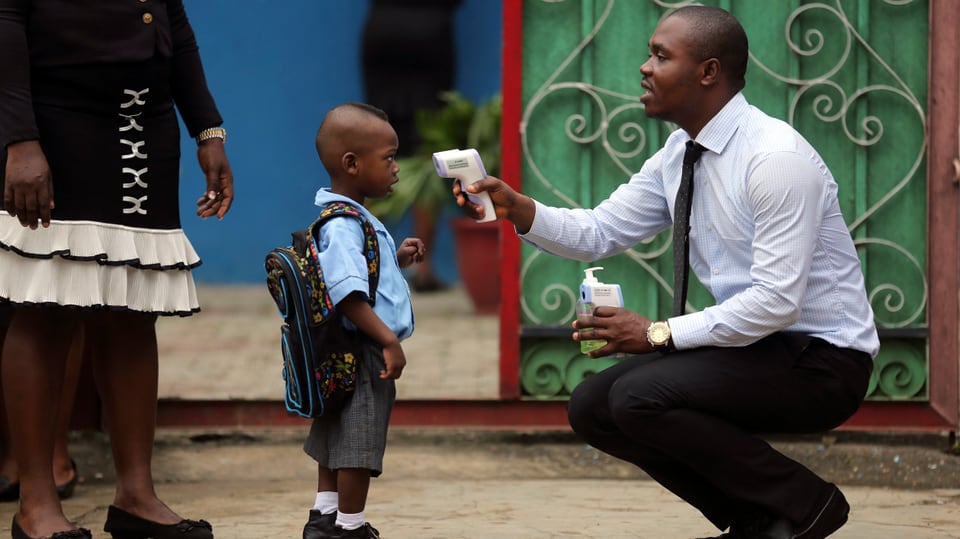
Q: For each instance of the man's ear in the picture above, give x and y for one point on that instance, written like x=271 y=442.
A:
x=710 y=72
x=350 y=163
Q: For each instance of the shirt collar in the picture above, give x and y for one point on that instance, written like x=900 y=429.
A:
x=325 y=195
x=720 y=129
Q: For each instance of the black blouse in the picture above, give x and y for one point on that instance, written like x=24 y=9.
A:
x=52 y=33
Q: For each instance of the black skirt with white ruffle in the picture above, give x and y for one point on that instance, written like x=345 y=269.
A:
x=111 y=138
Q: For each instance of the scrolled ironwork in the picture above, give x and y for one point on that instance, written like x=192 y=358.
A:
x=826 y=45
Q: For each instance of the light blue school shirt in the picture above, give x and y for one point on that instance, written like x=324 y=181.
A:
x=767 y=237
x=340 y=249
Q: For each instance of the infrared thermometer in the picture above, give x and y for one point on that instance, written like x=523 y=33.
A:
x=466 y=167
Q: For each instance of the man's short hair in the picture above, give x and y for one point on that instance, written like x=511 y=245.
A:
x=718 y=34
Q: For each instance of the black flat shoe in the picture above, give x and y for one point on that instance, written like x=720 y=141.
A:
x=66 y=490
x=80 y=533
x=122 y=525
x=9 y=492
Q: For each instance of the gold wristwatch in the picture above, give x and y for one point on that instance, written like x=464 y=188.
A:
x=658 y=335
x=212 y=132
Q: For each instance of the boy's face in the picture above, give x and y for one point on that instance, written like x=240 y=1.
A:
x=377 y=165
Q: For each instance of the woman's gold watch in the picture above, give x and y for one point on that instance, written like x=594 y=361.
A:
x=213 y=132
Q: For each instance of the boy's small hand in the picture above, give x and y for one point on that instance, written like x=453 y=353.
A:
x=410 y=251
x=395 y=361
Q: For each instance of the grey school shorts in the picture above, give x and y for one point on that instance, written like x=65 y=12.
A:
x=357 y=436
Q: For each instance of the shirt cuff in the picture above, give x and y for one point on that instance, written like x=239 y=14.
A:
x=340 y=290
x=544 y=227
x=689 y=331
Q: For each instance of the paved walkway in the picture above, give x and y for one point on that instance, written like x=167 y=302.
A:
x=453 y=484
x=231 y=349
x=258 y=484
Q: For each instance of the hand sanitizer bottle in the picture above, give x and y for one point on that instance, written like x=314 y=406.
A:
x=594 y=294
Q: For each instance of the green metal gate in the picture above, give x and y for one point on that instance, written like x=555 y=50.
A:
x=850 y=75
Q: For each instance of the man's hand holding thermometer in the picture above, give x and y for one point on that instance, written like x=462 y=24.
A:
x=466 y=168
x=485 y=198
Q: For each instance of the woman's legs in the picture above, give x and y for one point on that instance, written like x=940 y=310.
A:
x=34 y=357
x=8 y=463
x=63 y=470
x=126 y=370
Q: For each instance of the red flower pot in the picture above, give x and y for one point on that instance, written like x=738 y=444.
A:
x=478 y=259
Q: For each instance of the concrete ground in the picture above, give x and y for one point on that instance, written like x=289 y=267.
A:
x=256 y=483
x=450 y=484
x=231 y=349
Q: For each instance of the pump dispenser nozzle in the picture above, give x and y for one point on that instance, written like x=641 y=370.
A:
x=588 y=274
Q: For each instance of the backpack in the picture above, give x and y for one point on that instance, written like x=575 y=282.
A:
x=319 y=354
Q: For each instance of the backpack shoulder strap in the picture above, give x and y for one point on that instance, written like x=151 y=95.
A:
x=371 y=246
x=299 y=242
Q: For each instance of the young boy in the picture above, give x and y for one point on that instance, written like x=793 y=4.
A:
x=358 y=148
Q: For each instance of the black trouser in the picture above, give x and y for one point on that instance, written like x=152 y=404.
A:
x=690 y=418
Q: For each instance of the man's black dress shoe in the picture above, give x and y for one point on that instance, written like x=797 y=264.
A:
x=80 y=533
x=9 y=491
x=123 y=525
x=746 y=529
x=320 y=526
x=830 y=518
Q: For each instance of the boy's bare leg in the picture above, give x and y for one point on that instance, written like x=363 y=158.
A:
x=353 y=485
x=326 y=479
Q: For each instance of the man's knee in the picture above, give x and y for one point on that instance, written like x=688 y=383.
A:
x=631 y=405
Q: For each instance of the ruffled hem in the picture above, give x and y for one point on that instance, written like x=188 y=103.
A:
x=106 y=244
x=90 y=284
x=106 y=308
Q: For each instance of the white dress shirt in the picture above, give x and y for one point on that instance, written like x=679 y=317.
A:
x=767 y=237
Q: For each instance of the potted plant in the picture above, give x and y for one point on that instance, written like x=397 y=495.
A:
x=459 y=123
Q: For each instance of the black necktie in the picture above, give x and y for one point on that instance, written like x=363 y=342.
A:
x=681 y=228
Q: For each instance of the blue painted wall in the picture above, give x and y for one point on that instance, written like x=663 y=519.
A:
x=274 y=72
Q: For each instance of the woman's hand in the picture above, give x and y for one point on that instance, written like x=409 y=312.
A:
x=28 y=187
x=219 y=194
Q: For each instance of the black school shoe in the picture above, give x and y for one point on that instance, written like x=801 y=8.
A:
x=320 y=526
x=363 y=532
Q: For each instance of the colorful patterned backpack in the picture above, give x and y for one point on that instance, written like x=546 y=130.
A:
x=319 y=355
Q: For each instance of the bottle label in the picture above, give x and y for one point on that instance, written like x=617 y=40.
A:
x=585 y=310
x=589 y=346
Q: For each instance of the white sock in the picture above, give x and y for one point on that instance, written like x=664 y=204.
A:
x=350 y=521
x=327 y=502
